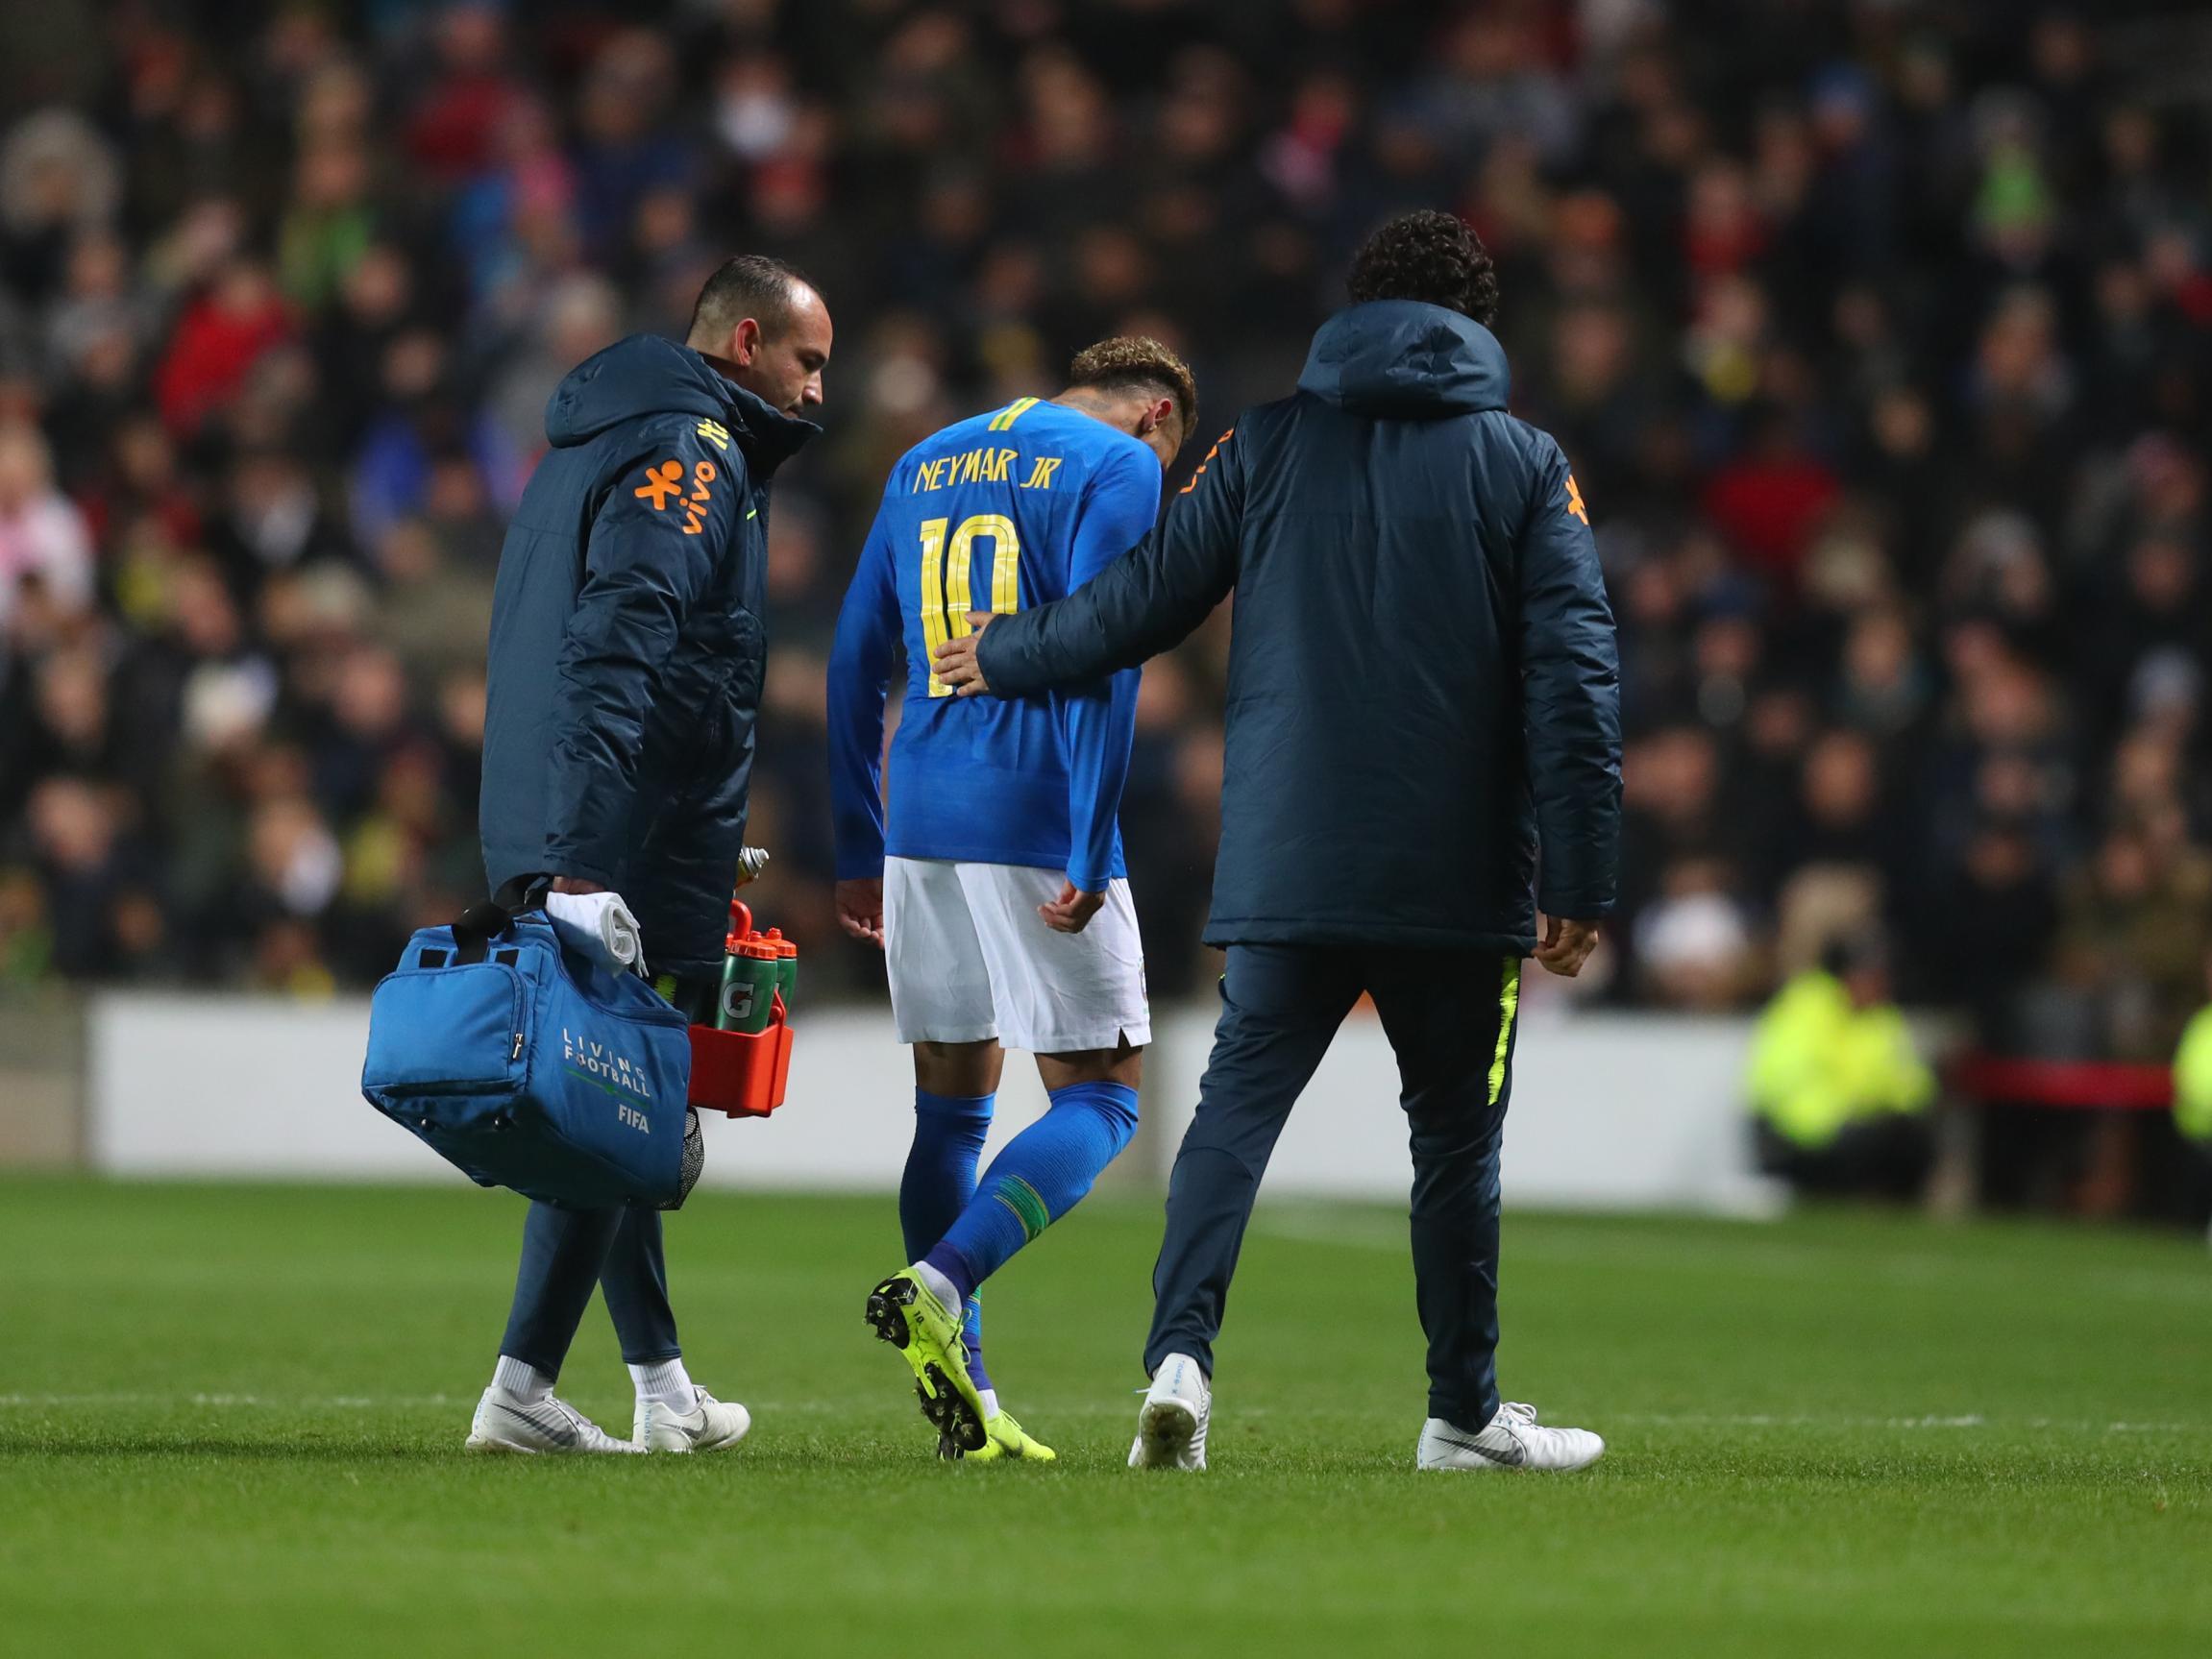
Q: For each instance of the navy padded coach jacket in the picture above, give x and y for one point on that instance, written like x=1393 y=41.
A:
x=1423 y=685
x=627 y=645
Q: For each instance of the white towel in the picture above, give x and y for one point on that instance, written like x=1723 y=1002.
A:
x=600 y=925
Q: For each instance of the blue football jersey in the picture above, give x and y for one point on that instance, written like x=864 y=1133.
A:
x=1007 y=510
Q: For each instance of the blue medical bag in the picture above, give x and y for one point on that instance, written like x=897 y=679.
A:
x=529 y=1066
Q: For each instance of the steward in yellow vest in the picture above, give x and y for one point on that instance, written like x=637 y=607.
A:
x=2193 y=1081
x=1839 y=1096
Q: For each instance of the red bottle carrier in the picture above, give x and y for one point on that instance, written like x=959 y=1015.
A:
x=742 y=1073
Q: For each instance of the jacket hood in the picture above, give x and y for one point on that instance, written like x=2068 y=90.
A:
x=1405 y=360
x=647 y=375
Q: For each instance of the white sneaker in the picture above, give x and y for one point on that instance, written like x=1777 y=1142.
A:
x=1171 y=1423
x=711 y=1424
x=1513 y=1439
x=508 y=1423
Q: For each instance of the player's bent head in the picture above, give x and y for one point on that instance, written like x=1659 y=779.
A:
x=1432 y=258
x=769 y=327
x=1142 y=386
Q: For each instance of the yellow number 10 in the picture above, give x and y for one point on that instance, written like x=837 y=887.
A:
x=947 y=588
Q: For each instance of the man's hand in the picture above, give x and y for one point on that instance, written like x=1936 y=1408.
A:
x=860 y=909
x=1071 y=911
x=955 y=661
x=576 y=883
x=1567 y=945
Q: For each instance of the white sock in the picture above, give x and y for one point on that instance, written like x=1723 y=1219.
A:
x=940 y=1287
x=667 y=1381
x=523 y=1380
x=990 y=1401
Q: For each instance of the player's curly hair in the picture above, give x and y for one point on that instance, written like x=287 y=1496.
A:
x=1429 y=256
x=1138 y=363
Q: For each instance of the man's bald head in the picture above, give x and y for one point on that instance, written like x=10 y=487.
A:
x=769 y=328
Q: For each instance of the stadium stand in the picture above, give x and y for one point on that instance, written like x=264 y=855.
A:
x=1880 y=338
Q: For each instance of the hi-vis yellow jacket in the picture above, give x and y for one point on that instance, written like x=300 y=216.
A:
x=2193 y=1080
x=1818 y=1064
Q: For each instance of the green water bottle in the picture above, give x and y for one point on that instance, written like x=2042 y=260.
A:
x=749 y=976
x=786 y=964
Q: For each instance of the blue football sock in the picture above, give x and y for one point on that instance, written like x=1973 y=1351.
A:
x=972 y=1337
x=939 y=1179
x=1042 y=1175
x=949 y=1134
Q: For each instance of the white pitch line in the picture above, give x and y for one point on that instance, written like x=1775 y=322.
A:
x=1800 y=1419
x=1972 y=1420
x=372 y=1402
x=305 y=1401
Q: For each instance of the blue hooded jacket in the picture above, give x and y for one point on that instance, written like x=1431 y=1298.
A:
x=1423 y=685
x=627 y=645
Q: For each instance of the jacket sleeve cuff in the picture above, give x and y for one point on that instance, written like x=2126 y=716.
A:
x=579 y=867
x=1576 y=904
x=999 y=653
x=860 y=867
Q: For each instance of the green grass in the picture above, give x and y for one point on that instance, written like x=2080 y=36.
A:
x=230 y=1418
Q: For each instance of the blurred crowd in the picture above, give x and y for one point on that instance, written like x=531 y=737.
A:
x=1880 y=335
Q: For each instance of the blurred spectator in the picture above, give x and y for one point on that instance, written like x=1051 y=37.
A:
x=219 y=336
x=76 y=836
x=457 y=117
x=2135 y=926
x=1838 y=1095
x=58 y=178
x=437 y=610
x=1993 y=914
x=43 y=541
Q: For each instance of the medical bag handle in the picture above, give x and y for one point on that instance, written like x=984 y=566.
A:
x=490 y=918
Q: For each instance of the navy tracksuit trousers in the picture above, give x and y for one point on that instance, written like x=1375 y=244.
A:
x=1450 y=1018
x=566 y=1253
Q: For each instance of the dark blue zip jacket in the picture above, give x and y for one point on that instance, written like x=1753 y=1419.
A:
x=1423 y=688
x=626 y=647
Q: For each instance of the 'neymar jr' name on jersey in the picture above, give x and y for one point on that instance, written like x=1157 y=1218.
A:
x=986 y=466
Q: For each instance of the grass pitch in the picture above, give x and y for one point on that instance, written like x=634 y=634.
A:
x=230 y=1423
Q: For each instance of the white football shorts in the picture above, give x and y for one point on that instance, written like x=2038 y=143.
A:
x=971 y=959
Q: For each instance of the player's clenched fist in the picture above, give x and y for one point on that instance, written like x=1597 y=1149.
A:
x=860 y=909
x=1071 y=911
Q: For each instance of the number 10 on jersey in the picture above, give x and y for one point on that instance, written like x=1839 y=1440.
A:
x=948 y=589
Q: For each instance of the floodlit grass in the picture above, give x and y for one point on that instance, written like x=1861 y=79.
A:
x=230 y=1422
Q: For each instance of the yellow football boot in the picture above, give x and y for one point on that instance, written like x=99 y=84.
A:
x=905 y=1312
x=1004 y=1438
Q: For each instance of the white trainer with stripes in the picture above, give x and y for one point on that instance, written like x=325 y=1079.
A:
x=506 y=1422
x=711 y=1424
x=1513 y=1439
x=1172 y=1423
